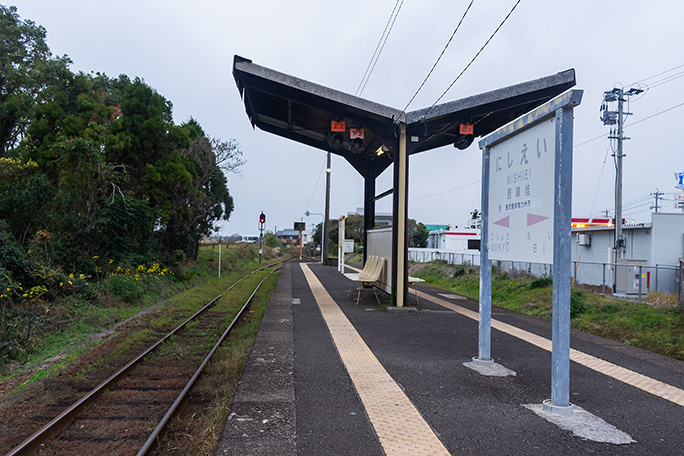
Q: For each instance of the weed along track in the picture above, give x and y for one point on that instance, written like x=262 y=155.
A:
x=127 y=412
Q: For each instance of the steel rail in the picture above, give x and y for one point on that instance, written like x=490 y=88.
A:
x=61 y=421
x=149 y=443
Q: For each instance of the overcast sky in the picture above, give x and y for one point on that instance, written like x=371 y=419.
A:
x=185 y=51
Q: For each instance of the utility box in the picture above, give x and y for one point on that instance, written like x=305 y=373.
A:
x=629 y=276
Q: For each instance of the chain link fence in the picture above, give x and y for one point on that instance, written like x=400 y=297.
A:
x=631 y=280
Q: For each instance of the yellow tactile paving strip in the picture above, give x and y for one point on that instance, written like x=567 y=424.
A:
x=398 y=424
x=635 y=379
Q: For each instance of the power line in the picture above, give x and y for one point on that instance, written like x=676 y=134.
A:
x=316 y=186
x=654 y=115
x=660 y=74
x=446 y=191
x=476 y=55
x=631 y=124
x=665 y=80
x=380 y=46
x=599 y=181
x=440 y=56
x=642 y=84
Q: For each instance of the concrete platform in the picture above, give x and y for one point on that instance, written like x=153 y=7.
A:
x=328 y=377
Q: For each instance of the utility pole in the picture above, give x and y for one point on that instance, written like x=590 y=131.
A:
x=612 y=117
x=326 y=227
x=657 y=196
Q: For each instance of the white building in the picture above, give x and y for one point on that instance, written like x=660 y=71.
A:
x=463 y=241
x=651 y=249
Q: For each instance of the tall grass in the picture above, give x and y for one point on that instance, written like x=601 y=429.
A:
x=657 y=326
x=33 y=333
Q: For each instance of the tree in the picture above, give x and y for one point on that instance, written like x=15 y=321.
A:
x=353 y=228
x=476 y=219
x=28 y=73
x=97 y=165
x=271 y=240
x=417 y=234
x=333 y=233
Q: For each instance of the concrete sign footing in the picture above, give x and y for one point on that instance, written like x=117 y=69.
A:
x=583 y=424
x=549 y=407
x=489 y=369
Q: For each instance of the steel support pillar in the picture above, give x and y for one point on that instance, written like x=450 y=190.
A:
x=399 y=219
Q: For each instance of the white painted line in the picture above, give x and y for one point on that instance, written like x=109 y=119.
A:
x=399 y=426
x=635 y=379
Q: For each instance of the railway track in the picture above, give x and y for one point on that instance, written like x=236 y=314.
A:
x=127 y=412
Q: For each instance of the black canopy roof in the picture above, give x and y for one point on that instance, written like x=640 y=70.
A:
x=303 y=111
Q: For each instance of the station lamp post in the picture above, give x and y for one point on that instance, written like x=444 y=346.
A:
x=307 y=213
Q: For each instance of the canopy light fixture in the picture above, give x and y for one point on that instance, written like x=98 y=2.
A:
x=356 y=136
x=464 y=141
x=335 y=140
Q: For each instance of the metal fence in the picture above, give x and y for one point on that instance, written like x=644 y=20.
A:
x=451 y=257
x=632 y=280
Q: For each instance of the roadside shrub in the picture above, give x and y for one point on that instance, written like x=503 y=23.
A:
x=124 y=288
x=609 y=308
x=21 y=330
x=577 y=303
x=541 y=282
x=460 y=270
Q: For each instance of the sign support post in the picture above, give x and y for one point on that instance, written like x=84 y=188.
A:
x=562 y=268
x=484 y=357
x=527 y=215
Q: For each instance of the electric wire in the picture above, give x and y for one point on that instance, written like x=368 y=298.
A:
x=665 y=80
x=440 y=56
x=380 y=46
x=654 y=115
x=474 y=58
x=317 y=181
x=598 y=186
x=645 y=87
x=631 y=124
x=445 y=191
x=660 y=74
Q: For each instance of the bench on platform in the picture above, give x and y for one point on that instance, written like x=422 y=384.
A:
x=368 y=275
x=412 y=282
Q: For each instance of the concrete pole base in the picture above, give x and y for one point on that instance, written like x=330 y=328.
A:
x=482 y=362
x=549 y=407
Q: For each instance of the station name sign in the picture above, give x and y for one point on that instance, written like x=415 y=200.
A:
x=521 y=196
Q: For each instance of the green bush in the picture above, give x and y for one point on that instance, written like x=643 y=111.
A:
x=460 y=270
x=21 y=329
x=577 y=303
x=124 y=288
x=541 y=282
